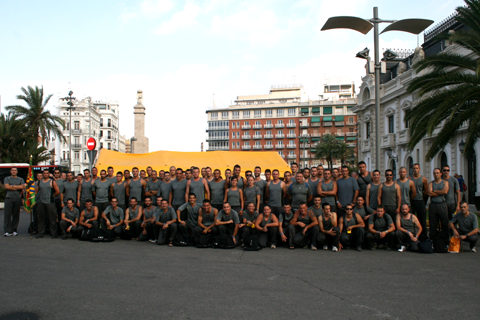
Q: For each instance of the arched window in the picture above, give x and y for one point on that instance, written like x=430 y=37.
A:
x=366 y=95
x=443 y=160
x=410 y=166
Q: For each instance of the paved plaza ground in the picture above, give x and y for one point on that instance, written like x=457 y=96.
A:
x=57 y=279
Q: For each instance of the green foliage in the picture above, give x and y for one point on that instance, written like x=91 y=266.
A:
x=3 y=192
x=330 y=149
x=449 y=88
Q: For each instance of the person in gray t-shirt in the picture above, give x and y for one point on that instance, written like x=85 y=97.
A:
x=228 y=222
x=380 y=230
x=113 y=217
x=452 y=198
x=69 y=222
x=347 y=191
x=299 y=191
x=465 y=226
x=15 y=186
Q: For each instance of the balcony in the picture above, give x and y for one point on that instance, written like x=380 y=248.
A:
x=268 y=126
x=291 y=135
x=327 y=124
x=339 y=124
x=217 y=138
x=291 y=125
x=64 y=162
x=292 y=156
x=268 y=136
x=279 y=125
x=316 y=135
x=257 y=137
x=217 y=128
x=268 y=146
x=279 y=136
x=366 y=145
x=304 y=145
x=213 y=148
x=315 y=124
x=76 y=131
x=340 y=134
x=291 y=146
x=246 y=147
x=304 y=124
x=76 y=146
x=246 y=127
x=246 y=137
x=388 y=141
x=351 y=134
x=314 y=145
x=352 y=144
x=280 y=146
x=257 y=126
x=403 y=137
x=257 y=147
x=108 y=138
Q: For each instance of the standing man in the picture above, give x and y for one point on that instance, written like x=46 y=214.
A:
x=274 y=190
x=389 y=195
x=299 y=192
x=198 y=186
x=71 y=191
x=236 y=173
x=173 y=171
x=335 y=174
x=327 y=189
x=262 y=185
x=166 y=188
x=135 y=187
x=438 y=209
x=100 y=189
x=465 y=226
x=153 y=187
x=372 y=191
x=161 y=175
x=217 y=190
x=117 y=190
x=347 y=191
x=94 y=174
x=85 y=190
x=58 y=201
x=418 y=203
x=320 y=172
x=228 y=174
x=463 y=186
x=15 y=186
x=294 y=168
x=110 y=177
x=406 y=187
x=209 y=174
x=452 y=198
x=306 y=174
x=179 y=187
x=364 y=179
x=45 y=190
x=313 y=182
x=126 y=175
x=408 y=230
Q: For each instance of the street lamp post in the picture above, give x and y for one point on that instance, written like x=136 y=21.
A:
x=414 y=26
x=70 y=108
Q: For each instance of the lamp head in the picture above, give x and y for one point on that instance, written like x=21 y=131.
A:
x=363 y=54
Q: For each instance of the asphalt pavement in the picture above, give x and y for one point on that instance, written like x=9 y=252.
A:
x=70 y=279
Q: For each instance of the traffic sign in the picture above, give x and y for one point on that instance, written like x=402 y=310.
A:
x=91 y=143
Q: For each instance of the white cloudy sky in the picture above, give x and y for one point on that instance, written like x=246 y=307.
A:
x=184 y=53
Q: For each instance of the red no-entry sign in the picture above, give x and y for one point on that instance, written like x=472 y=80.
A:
x=91 y=144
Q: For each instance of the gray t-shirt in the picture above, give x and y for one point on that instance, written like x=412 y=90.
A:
x=165 y=190
x=11 y=194
x=179 y=187
x=300 y=193
x=363 y=211
x=164 y=217
x=60 y=183
x=192 y=212
x=465 y=224
x=453 y=187
x=222 y=216
x=153 y=186
x=380 y=224
x=217 y=191
x=70 y=189
x=71 y=215
x=346 y=190
x=112 y=180
x=250 y=217
x=261 y=184
x=285 y=219
x=318 y=212
x=250 y=194
x=115 y=216
x=101 y=190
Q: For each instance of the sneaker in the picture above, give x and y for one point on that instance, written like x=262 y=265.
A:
x=402 y=248
x=273 y=246
x=334 y=249
x=14 y=234
x=473 y=250
x=325 y=247
x=153 y=241
x=314 y=248
x=7 y=234
x=359 y=248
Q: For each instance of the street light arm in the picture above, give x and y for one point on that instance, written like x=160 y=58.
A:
x=414 y=26
x=346 y=22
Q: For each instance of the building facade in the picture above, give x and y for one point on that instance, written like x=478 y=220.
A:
x=282 y=121
x=395 y=103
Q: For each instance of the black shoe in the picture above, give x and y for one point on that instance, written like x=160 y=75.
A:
x=39 y=236
x=64 y=237
x=359 y=248
x=54 y=236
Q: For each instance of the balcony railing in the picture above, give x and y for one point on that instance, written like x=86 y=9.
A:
x=291 y=156
x=350 y=134
x=315 y=124
x=351 y=144
x=304 y=124
x=291 y=125
x=366 y=145
x=268 y=136
x=76 y=131
x=280 y=125
x=211 y=148
x=316 y=135
x=246 y=137
x=339 y=124
x=76 y=146
x=257 y=136
x=257 y=147
x=268 y=146
x=246 y=127
x=327 y=124
x=280 y=146
x=291 y=146
x=257 y=126
x=268 y=126
x=304 y=145
x=246 y=147
x=291 y=135
x=279 y=136
x=388 y=141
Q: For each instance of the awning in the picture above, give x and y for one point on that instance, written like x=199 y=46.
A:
x=327 y=110
x=304 y=110
x=338 y=118
x=351 y=138
x=315 y=139
x=315 y=119
x=315 y=109
x=339 y=138
x=313 y=150
x=327 y=119
x=304 y=140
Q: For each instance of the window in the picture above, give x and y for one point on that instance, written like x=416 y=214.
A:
x=339 y=110
x=291 y=112
x=339 y=131
x=291 y=121
x=367 y=130
x=280 y=153
x=327 y=110
x=280 y=112
x=257 y=113
x=76 y=155
x=269 y=142
x=238 y=124
x=391 y=124
x=109 y=134
x=238 y=135
x=291 y=142
x=224 y=114
x=233 y=125
x=109 y=146
x=257 y=143
x=350 y=130
x=233 y=145
x=214 y=115
x=269 y=132
x=257 y=133
x=109 y=122
x=101 y=133
x=236 y=114
x=291 y=132
x=84 y=156
x=269 y=121
x=280 y=143
x=407 y=123
x=238 y=145
x=268 y=113
x=350 y=120
x=246 y=113
x=327 y=130
x=280 y=121
x=76 y=125
x=257 y=123
x=261 y=102
x=280 y=132
x=101 y=122
x=233 y=135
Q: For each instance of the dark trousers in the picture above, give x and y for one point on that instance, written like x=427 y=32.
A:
x=124 y=207
x=164 y=235
x=269 y=237
x=451 y=207
x=218 y=206
x=64 y=225
x=438 y=212
x=327 y=239
x=289 y=232
x=418 y=209
x=227 y=230
x=95 y=226
x=372 y=238
x=303 y=240
x=187 y=230
x=403 y=239
x=58 y=207
x=472 y=240
x=101 y=206
x=198 y=231
x=277 y=211
x=392 y=211
x=11 y=214
x=46 y=210
x=149 y=235
x=355 y=238
x=134 y=229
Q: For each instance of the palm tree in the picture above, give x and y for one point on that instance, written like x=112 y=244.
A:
x=327 y=149
x=449 y=88
x=344 y=152
x=42 y=122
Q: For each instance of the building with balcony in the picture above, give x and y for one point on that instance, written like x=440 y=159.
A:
x=283 y=120
x=395 y=103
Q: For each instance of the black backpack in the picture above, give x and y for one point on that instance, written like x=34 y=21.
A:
x=180 y=240
x=204 y=241
x=439 y=245
x=251 y=244
x=109 y=236
x=425 y=246
x=223 y=242
x=87 y=235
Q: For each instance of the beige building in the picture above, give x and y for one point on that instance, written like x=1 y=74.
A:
x=139 y=143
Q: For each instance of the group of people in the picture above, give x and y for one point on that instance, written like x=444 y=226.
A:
x=310 y=208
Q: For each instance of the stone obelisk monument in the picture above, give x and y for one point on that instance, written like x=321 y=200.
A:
x=139 y=141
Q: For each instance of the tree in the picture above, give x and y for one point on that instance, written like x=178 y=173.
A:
x=450 y=88
x=326 y=149
x=36 y=116
x=344 y=152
